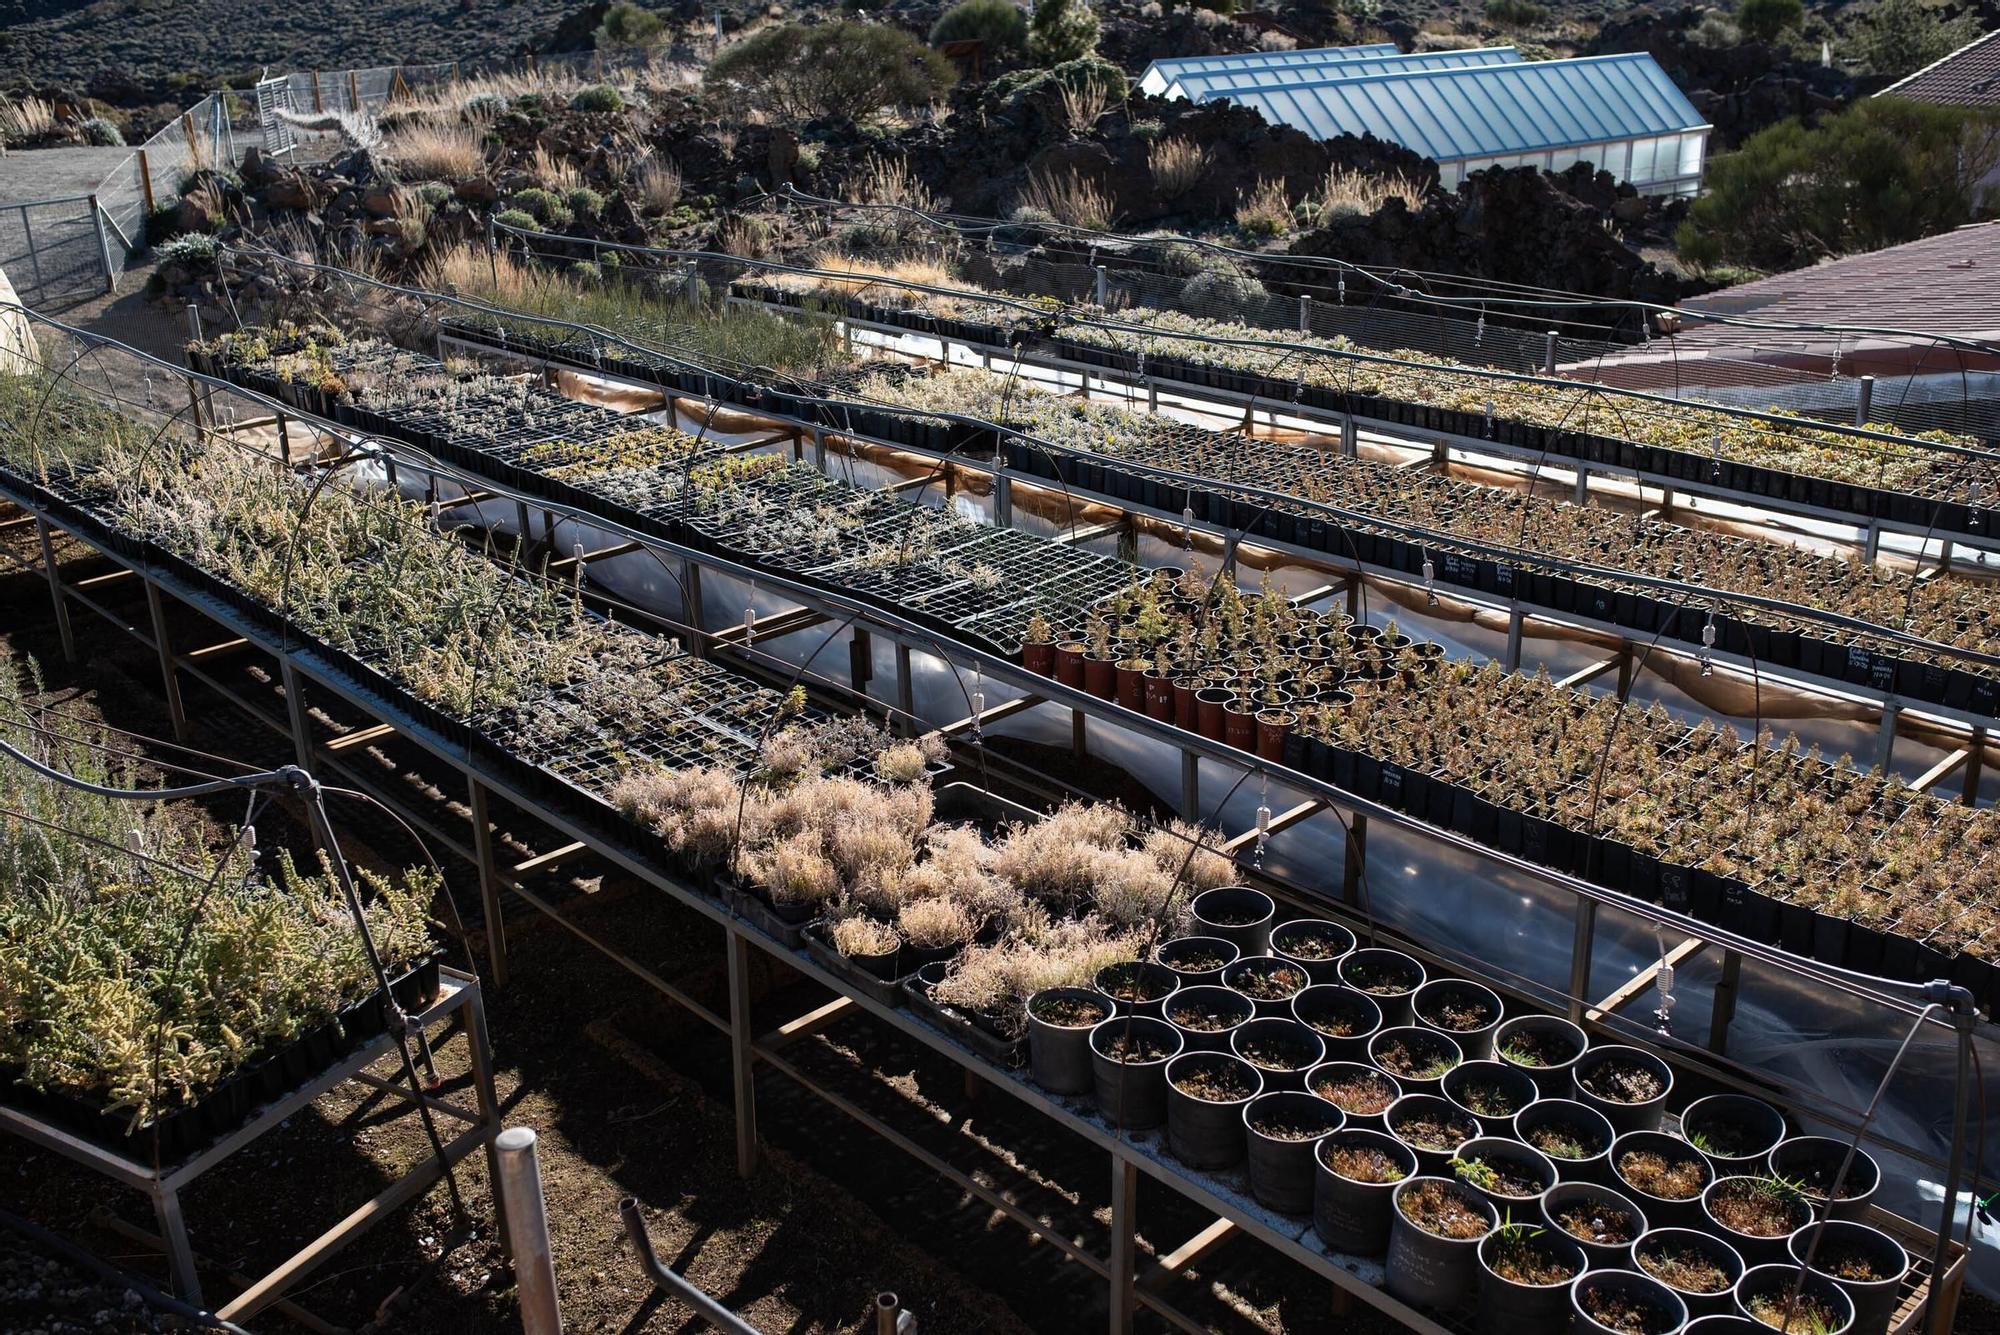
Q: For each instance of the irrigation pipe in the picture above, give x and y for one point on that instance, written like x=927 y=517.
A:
x=104 y=1270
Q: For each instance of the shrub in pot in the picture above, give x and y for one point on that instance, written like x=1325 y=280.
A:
x=1755 y=1215
x=1576 y=1139
x=1865 y=1262
x=1493 y=1092
x=1281 y=1049
x=1430 y=1126
x=1343 y=1018
x=1128 y=1061
x=1268 y=981
x=1206 y=1094
x=1734 y=1132
x=1357 y=1089
x=1207 y=1016
x=1623 y=1302
x=1814 y=1162
x=1197 y=960
x=1418 y=1058
x=1434 y=1235
x=1237 y=914
x=1664 y=1174
x=1698 y=1266
x=1545 y=1046
x=1314 y=944
x=1283 y=1127
x=1389 y=977
x=1059 y=1023
x=1764 y=1295
x=1605 y=1223
x=1137 y=987
x=1463 y=1009
x=1355 y=1171
x=1627 y=1085
x=1524 y=1278
x=1505 y=1172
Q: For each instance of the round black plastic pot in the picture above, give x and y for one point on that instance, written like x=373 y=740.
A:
x=1389 y=977
x=1733 y=1324
x=1344 y=1019
x=1776 y=1281
x=1349 y=1215
x=1756 y=1248
x=1197 y=960
x=1812 y=1161
x=1545 y=1046
x=1192 y=1008
x=1503 y=1091
x=1254 y=975
x=1149 y=984
x=1586 y=1127
x=1606 y=1248
x=1419 y=1058
x=1875 y=1300
x=1132 y=1094
x=1734 y=1132
x=1425 y=1269
x=1592 y=1080
x=1283 y=1127
x=1383 y=1091
x=1298 y=1049
x=1667 y=1241
x=1462 y=1009
x=1517 y=1307
x=1665 y=1313
x=1207 y=1132
x=1663 y=1211
x=1237 y=914
x=1314 y=944
x=1509 y=1157
x=1059 y=1054
x=1434 y=1160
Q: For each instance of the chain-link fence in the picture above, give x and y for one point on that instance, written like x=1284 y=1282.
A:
x=55 y=251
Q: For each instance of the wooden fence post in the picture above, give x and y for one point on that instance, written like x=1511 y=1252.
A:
x=146 y=182
x=353 y=91
x=318 y=105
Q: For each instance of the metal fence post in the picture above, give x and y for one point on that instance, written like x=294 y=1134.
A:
x=1103 y=287
x=1305 y=312
x=528 y=1230
x=34 y=256
x=1864 y=399
x=1549 y=353
x=103 y=246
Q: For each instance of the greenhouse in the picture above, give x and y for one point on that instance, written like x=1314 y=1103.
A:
x=1200 y=85
x=1161 y=75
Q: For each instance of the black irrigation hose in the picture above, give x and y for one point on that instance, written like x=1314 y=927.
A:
x=68 y=1251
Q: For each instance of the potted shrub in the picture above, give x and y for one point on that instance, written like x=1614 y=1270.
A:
x=1700 y=1268
x=867 y=943
x=1343 y=1018
x=1524 y=1279
x=1788 y=1297
x=1283 y=1126
x=1281 y=1049
x=1207 y=1016
x=1627 y=1085
x=1755 y=1215
x=1605 y=1223
x=1038 y=646
x=1865 y=1262
x=1813 y=1162
x=1493 y=1092
x=1138 y=986
x=1664 y=1174
x=1059 y=1023
x=1237 y=914
x=1434 y=1236
x=1128 y=1061
x=1430 y=1126
x=1461 y=1008
x=1418 y=1058
x=1272 y=727
x=1314 y=944
x=1197 y=960
x=1206 y=1095
x=1389 y=977
x=1363 y=1093
x=1504 y=1171
x=1355 y=1170
x=1268 y=981
x=1545 y=1046
x=1623 y=1302
x=1734 y=1132
x=1576 y=1139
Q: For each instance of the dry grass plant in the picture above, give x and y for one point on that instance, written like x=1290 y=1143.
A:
x=1177 y=166
x=1265 y=210
x=1347 y=191
x=425 y=151
x=1068 y=198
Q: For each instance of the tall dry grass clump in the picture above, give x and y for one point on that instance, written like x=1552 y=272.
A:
x=1068 y=198
x=1347 y=191
x=1177 y=166
x=26 y=120
x=656 y=186
x=1265 y=210
x=433 y=152
x=1080 y=105
x=554 y=173
x=889 y=181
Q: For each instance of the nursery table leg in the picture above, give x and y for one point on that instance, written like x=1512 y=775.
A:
x=1079 y=737
x=173 y=1234
x=1724 y=1008
x=1886 y=750
x=1003 y=501
x=481 y=1057
x=1579 y=956
x=163 y=643
x=295 y=708
x=1124 y=1243
x=1357 y=854
x=1514 y=618
x=56 y=589
x=742 y=1053
x=1976 y=754
x=905 y=696
x=489 y=884
x=1190 y=785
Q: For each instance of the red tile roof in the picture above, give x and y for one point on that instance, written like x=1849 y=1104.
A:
x=1968 y=77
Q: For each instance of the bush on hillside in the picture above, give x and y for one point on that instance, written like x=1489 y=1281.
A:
x=832 y=71
x=998 y=23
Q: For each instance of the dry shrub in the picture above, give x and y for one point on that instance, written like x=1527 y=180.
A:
x=863 y=936
x=1276 y=41
x=1080 y=105
x=933 y=924
x=434 y=152
x=1068 y=198
x=1265 y=210
x=26 y=120
x=1177 y=166
x=1181 y=842
x=656 y=186
x=889 y=181
x=749 y=238
x=1348 y=191
x=554 y=173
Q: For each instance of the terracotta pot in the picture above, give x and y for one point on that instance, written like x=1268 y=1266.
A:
x=1131 y=686
x=1159 y=698
x=1100 y=677
x=1069 y=664
x=1272 y=725
x=1210 y=704
x=1185 y=708
x=1039 y=658
x=1239 y=726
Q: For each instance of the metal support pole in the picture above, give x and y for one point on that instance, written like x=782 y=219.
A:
x=1581 y=492
x=103 y=246
x=1124 y=1243
x=1350 y=437
x=1514 y=620
x=295 y=709
x=1079 y=733
x=28 y=236
x=479 y=1052
x=174 y=1238
x=742 y=1053
x=693 y=612
x=1975 y=758
x=1103 y=286
x=164 y=645
x=1625 y=672
x=1354 y=595
x=56 y=589
x=1305 y=313
x=1724 y=1008
x=1356 y=855
x=1581 y=946
x=1003 y=501
x=1937 y=1315
x=1549 y=353
x=1871 y=542
x=489 y=883
x=528 y=1226
x=905 y=695
x=1864 y=399
x=694 y=295
x=1886 y=745
x=1190 y=785
x=819 y=449
x=861 y=660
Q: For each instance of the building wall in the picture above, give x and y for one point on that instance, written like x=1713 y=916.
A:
x=1659 y=165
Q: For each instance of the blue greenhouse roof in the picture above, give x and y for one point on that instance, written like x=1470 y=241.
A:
x=1484 y=111
x=1162 y=73
x=1200 y=85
